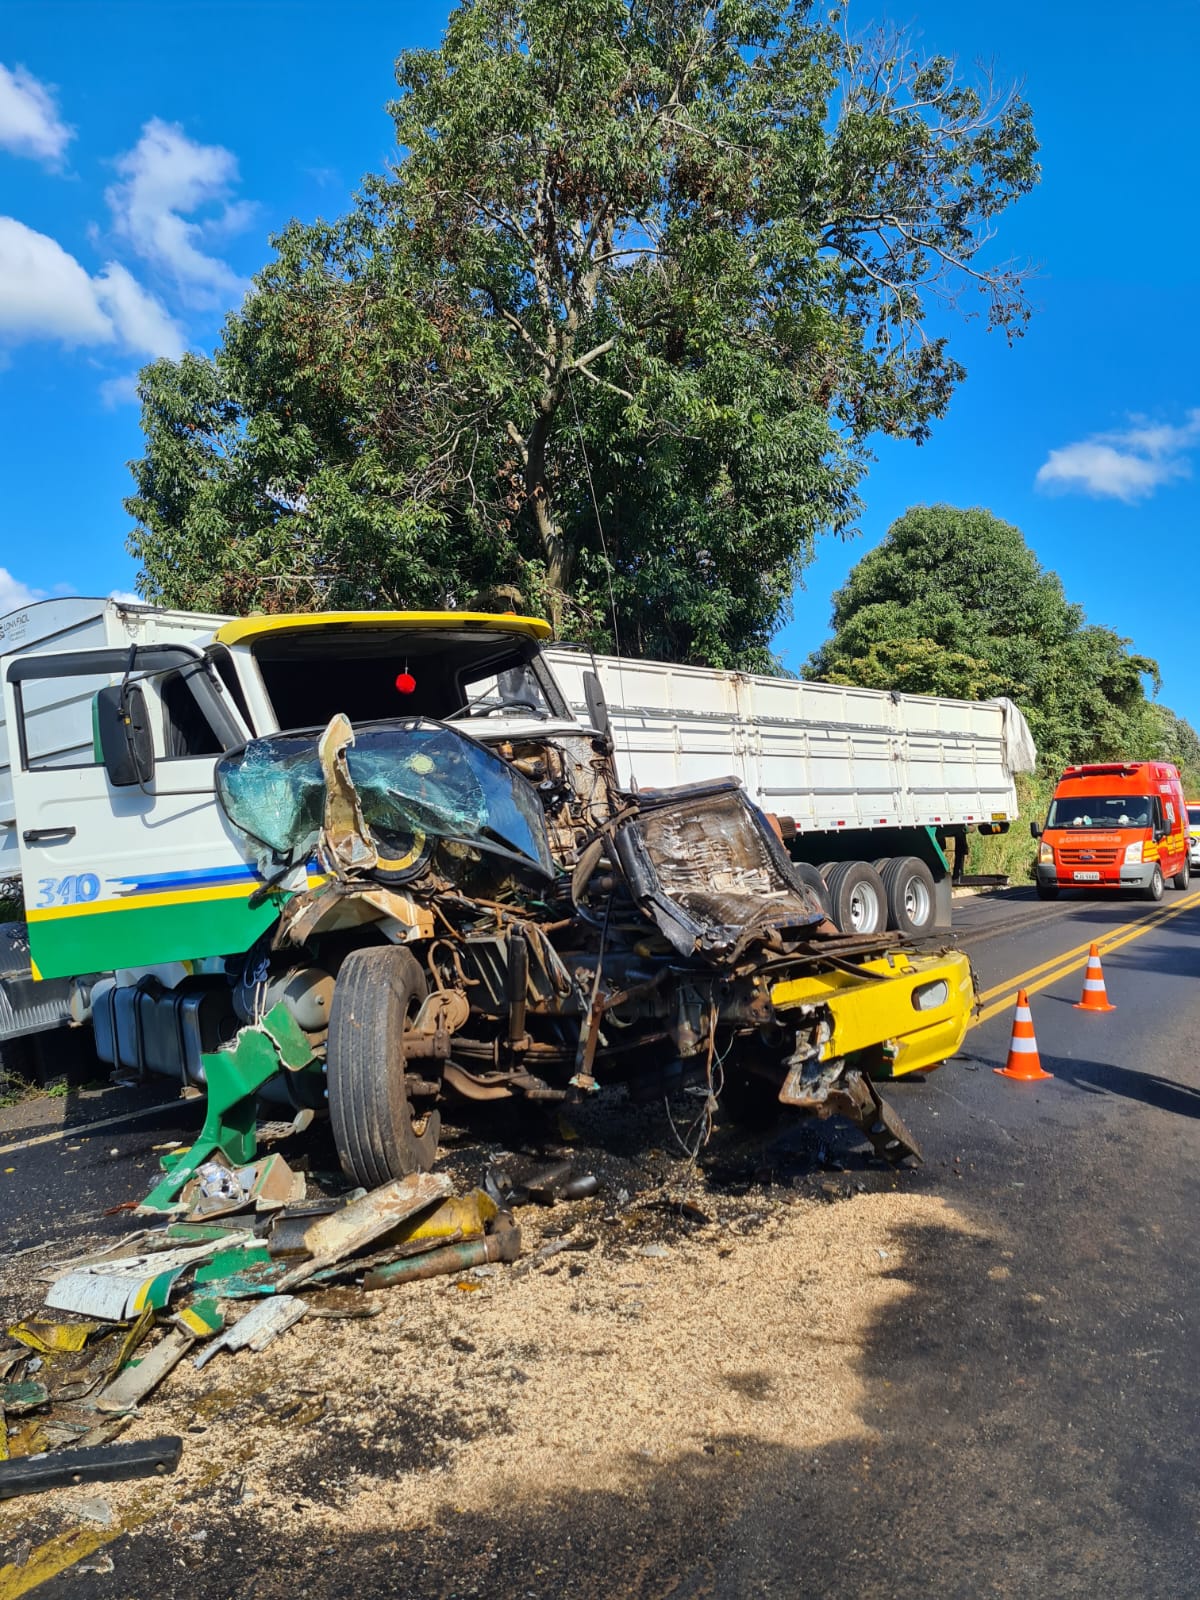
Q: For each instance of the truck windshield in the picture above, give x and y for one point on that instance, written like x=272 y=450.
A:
x=1100 y=811
x=415 y=780
x=1194 y=816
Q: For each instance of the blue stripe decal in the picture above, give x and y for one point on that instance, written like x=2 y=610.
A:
x=196 y=878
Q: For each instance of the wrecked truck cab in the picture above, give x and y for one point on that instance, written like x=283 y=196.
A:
x=397 y=870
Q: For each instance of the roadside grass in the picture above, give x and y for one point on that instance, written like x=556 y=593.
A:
x=16 y=1090
x=1014 y=853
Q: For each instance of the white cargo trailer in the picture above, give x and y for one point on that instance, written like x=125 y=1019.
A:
x=864 y=783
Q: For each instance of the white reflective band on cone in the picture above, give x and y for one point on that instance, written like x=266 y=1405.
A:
x=1023 y=1047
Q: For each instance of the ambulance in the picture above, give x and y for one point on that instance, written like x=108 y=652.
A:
x=1193 y=816
x=1114 y=825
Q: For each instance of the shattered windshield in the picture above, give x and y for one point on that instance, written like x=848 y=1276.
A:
x=414 y=779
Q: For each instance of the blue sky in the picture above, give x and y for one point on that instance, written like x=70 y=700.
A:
x=147 y=150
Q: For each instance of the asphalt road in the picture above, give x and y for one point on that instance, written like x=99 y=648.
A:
x=1032 y=1398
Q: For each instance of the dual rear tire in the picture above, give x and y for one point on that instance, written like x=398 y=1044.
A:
x=897 y=893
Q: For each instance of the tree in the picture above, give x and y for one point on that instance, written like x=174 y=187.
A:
x=955 y=602
x=616 y=326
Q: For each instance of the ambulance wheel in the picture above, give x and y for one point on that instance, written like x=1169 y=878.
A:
x=910 y=895
x=1154 y=889
x=1047 y=891
x=1183 y=877
x=857 y=897
x=377 y=995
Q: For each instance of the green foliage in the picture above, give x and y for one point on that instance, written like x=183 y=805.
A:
x=955 y=602
x=662 y=264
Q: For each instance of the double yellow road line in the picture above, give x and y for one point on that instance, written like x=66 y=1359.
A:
x=1002 y=995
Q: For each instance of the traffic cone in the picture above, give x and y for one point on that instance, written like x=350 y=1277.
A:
x=1095 y=995
x=1023 y=1063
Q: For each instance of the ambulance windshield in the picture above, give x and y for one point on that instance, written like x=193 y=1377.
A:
x=1101 y=811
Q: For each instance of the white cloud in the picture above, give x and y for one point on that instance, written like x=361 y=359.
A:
x=141 y=321
x=122 y=391
x=29 y=121
x=14 y=594
x=1129 y=464
x=165 y=179
x=46 y=294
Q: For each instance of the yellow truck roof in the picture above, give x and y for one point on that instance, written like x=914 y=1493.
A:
x=244 y=630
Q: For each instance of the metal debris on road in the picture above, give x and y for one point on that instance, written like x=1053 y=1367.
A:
x=103 y=1464
x=262 y=1324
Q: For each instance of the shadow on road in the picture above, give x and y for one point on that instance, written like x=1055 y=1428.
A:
x=1147 y=1088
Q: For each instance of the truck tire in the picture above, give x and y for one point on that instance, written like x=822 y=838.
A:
x=812 y=879
x=911 y=902
x=1047 y=891
x=378 y=992
x=857 y=897
x=1184 y=876
x=1154 y=889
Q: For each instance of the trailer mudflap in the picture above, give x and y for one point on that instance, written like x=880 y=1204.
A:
x=922 y=1011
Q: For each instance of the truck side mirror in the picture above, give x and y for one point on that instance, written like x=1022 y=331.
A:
x=126 y=741
x=597 y=706
x=1035 y=830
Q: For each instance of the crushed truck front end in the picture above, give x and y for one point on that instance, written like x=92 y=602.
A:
x=447 y=894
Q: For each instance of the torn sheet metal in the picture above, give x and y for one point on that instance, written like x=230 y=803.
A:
x=202 y=1318
x=17 y=1399
x=261 y=1324
x=240 y=1274
x=117 y=1291
x=134 y=1382
x=49 y=1338
x=360 y=1223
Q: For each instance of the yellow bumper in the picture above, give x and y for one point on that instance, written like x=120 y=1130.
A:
x=872 y=1015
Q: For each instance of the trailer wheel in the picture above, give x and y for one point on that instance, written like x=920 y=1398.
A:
x=910 y=895
x=812 y=879
x=1184 y=876
x=857 y=897
x=378 y=993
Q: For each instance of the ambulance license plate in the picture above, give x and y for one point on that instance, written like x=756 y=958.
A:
x=1086 y=877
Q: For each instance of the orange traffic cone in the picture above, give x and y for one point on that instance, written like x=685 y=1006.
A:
x=1023 y=1061
x=1095 y=995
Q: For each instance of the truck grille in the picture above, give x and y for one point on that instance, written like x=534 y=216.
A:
x=1078 y=855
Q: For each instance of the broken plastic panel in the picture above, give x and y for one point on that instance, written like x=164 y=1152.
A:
x=413 y=778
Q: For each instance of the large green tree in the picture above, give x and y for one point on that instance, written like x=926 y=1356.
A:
x=616 y=326
x=954 y=602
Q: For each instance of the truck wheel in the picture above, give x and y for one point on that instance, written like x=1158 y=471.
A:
x=378 y=993
x=1154 y=889
x=812 y=879
x=1183 y=877
x=1047 y=891
x=910 y=895
x=857 y=897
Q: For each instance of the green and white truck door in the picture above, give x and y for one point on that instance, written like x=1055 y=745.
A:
x=120 y=876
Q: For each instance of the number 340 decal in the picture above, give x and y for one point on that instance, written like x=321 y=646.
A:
x=75 y=890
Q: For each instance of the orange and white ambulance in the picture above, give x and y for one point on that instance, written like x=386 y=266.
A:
x=1114 y=825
